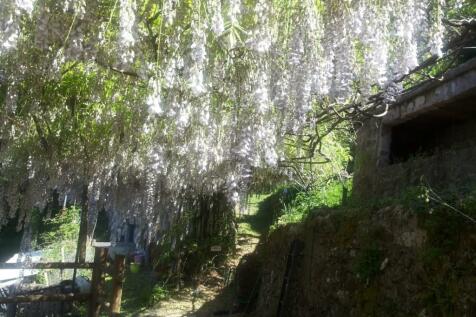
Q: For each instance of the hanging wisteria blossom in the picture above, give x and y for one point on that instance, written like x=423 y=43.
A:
x=185 y=97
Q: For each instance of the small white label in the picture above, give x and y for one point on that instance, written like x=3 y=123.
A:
x=215 y=248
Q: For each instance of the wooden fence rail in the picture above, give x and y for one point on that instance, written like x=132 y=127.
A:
x=96 y=297
x=45 y=298
x=49 y=265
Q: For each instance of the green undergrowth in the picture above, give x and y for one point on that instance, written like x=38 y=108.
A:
x=264 y=209
x=290 y=205
x=444 y=263
x=305 y=203
x=254 y=221
x=140 y=292
x=421 y=198
x=200 y=239
x=435 y=274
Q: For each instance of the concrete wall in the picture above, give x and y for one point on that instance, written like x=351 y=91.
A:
x=452 y=163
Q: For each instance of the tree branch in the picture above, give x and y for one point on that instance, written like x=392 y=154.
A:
x=117 y=70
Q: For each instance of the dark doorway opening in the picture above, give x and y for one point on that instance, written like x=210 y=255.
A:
x=449 y=127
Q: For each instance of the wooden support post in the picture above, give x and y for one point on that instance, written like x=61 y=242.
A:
x=11 y=310
x=100 y=257
x=117 y=281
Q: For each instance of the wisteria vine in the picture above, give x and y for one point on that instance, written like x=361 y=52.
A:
x=214 y=87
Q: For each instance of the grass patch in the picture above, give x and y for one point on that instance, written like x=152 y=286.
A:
x=263 y=210
x=305 y=202
x=255 y=221
x=140 y=291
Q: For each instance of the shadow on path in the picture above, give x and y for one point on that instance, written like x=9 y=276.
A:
x=238 y=297
x=235 y=298
x=263 y=210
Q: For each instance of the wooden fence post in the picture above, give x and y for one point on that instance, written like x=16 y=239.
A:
x=11 y=310
x=100 y=257
x=117 y=281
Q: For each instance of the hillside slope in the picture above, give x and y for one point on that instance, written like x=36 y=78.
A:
x=393 y=261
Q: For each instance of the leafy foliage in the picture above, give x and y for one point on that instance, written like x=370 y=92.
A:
x=61 y=228
x=326 y=196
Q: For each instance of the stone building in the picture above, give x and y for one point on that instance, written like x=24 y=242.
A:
x=428 y=135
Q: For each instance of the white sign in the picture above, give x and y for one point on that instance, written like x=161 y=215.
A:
x=215 y=248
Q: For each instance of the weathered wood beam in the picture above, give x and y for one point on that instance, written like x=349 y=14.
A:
x=117 y=281
x=43 y=266
x=44 y=298
x=97 y=282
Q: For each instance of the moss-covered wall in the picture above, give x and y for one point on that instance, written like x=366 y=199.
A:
x=388 y=262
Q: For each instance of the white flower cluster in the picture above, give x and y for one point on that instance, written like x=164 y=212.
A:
x=26 y=5
x=169 y=9
x=199 y=58
x=9 y=27
x=127 y=30
x=154 y=99
x=217 y=23
x=234 y=11
x=437 y=32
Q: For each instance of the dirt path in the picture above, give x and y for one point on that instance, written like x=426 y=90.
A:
x=214 y=294
x=190 y=302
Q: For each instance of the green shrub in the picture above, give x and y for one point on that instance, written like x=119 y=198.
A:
x=58 y=240
x=158 y=293
x=60 y=235
x=63 y=226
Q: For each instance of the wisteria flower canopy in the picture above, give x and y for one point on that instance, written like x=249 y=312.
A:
x=150 y=103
